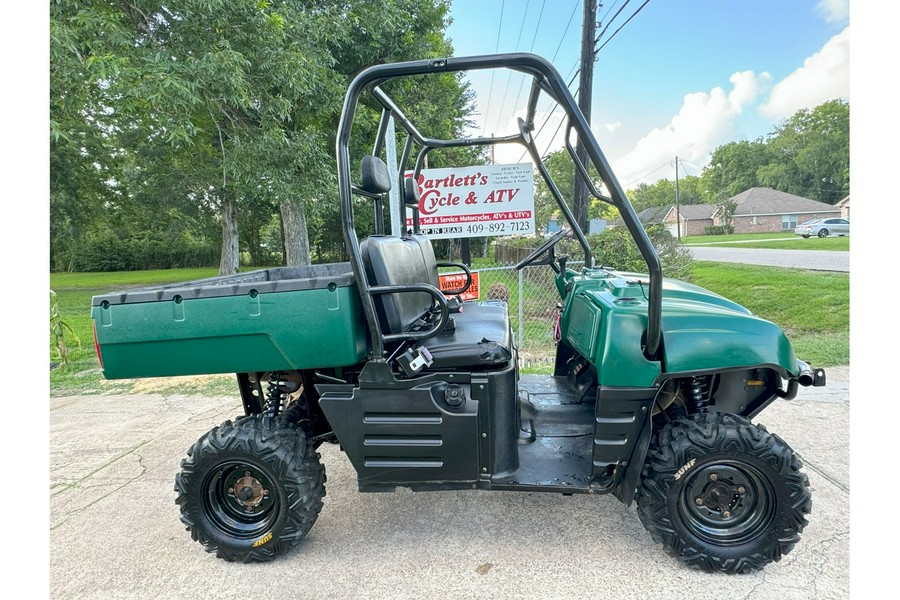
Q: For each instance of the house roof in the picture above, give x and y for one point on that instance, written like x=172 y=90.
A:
x=692 y=212
x=845 y=201
x=654 y=214
x=766 y=201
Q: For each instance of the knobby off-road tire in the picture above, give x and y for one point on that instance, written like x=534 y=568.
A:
x=251 y=489
x=722 y=494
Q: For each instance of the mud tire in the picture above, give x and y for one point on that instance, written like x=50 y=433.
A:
x=763 y=525
x=253 y=453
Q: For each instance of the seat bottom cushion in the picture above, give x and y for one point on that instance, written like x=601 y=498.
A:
x=481 y=338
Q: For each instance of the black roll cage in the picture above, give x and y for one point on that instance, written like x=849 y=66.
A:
x=545 y=78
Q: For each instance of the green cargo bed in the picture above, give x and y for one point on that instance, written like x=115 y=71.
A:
x=270 y=319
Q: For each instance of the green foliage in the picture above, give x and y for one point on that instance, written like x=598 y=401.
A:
x=59 y=329
x=199 y=104
x=615 y=248
x=562 y=171
x=106 y=251
x=719 y=230
x=807 y=155
x=662 y=193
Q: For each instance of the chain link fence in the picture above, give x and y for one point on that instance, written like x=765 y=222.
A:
x=532 y=298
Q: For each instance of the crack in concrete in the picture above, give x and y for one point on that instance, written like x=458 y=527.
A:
x=106 y=495
x=75 y=482
x=821 y=471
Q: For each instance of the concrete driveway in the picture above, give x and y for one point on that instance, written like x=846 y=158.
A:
x=816 y=260
x=115 y=531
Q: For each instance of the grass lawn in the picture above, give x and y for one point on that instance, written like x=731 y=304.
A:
x=812 y=308
x=785 y=241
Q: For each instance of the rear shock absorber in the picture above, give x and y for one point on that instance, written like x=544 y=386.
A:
x=275 y=394
x=698 y=389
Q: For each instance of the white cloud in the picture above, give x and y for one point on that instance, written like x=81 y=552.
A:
x=550 y=136
x=824 y=76
x=613 y=126
x=704 y=121
x=834 y=11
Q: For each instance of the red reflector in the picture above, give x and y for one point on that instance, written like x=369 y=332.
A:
x=96 y=343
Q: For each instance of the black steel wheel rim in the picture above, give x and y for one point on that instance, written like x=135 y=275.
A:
x=727 y=502
x=241 y=499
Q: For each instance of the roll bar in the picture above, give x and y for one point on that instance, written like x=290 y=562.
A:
x=545 y=79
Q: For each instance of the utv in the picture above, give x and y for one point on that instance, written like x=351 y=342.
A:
x=653 y=390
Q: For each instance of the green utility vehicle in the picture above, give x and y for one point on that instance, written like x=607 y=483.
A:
x=654 y=387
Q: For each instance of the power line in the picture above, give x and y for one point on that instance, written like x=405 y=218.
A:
x=574 y=8
x=646 y=2
x=493 y=71
x=509 y=73
x=668 y=163
x=610 y=22
x=531 y=49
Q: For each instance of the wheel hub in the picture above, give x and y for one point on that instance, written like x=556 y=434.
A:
x=727 y=502
x=248 y=491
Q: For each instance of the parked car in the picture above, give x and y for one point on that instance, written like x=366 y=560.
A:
x=823 y=228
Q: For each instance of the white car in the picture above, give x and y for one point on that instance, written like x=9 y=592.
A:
x=823 y=228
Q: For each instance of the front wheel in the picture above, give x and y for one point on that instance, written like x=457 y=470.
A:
x=251 y=489
x=823 y=233
x=722 y=494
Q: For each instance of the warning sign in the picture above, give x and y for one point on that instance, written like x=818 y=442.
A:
x=456 y=281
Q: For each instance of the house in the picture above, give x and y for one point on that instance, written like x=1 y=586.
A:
x=695 y=218
x=762 y=210
x=844 y=205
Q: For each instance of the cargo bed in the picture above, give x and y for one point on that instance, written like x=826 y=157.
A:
x=270 y=319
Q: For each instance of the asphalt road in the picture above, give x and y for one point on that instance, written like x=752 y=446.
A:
x=115 y=533
x=816 y=260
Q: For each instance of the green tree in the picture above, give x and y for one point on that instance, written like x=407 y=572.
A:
x=734 y=167
x=662 y=193
x=811 y=153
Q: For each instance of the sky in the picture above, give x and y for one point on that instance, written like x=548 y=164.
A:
x=681 y=78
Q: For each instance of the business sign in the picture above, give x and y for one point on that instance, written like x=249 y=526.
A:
x=476 y=201
x=456 y=281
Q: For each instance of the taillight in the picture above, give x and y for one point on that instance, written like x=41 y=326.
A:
x=96 y=343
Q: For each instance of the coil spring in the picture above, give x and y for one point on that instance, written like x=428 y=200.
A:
x=275 y=394
x=699 y=392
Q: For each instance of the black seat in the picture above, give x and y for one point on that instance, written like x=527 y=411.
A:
x=481 y=336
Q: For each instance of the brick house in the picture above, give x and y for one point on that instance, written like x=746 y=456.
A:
x=764 y=210
x=695 y=218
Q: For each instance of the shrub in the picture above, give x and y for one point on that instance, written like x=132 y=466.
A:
x=614 y=248
x=719 y=230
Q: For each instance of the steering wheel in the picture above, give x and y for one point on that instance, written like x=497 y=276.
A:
x=546 y=246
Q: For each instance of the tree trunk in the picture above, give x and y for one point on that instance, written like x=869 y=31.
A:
x=230 y=258
x=296 y=237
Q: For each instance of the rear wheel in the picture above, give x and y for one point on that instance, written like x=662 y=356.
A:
x=251 y=489
x=722 y=494
x=823 y=233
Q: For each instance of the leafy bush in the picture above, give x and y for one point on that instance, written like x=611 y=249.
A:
x=615 y=248
x=105 y=251
x=719 y=230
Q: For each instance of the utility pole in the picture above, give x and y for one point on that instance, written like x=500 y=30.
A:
x=677 y=203
x=586 y=84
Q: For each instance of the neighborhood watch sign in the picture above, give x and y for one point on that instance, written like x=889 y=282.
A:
x=476 y=201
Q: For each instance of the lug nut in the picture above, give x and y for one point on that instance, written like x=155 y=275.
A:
x=742 y=490
x=713 y=477
x=265 y=492
x=230 y=490
x=726 y=514
x=699 y=501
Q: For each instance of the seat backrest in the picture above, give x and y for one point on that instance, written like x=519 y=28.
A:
x=390 y=260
